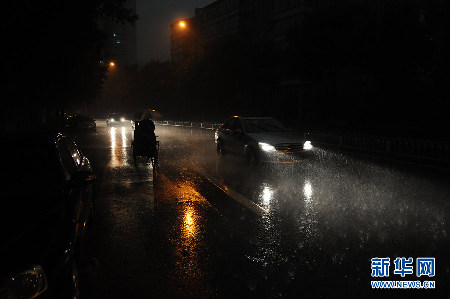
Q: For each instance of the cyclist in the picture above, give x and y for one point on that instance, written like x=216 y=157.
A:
x=144 y=134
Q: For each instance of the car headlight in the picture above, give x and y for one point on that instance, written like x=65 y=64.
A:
x=28 y=284
x=266 y=147
x=307 y=145
x=122 y=119
x=112 y=119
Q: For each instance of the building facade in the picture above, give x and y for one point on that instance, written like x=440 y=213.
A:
x=249 y=19
x=287 y=15
x=345 y=37
x=185 y=39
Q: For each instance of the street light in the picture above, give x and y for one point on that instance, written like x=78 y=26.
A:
x=182 y=24
x=112 y=64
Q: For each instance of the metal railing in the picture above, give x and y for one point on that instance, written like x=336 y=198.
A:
x=394 y=147
x=391 y=146
x=190 y=124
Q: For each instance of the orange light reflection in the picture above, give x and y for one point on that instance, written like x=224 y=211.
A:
x=190 y=227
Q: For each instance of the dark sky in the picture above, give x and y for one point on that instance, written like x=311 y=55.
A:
x=153 y=40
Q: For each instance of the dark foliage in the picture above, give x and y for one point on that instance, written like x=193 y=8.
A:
x=371 y=66
x=54 y=49
x=228 y=78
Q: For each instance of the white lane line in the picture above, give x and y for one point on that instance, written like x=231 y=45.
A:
x=229 y=191
x=237 y=196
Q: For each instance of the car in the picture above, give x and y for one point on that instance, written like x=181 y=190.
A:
x=81 y=122
x=47 y=207
x=260 y=139
x=114 y=119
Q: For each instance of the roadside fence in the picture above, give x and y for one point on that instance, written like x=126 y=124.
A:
x=431 y=150
x=424 y=151
x=190 y=124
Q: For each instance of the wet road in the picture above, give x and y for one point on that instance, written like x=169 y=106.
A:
x=200 y=226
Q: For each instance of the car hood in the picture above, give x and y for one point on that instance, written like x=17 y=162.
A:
x=277 y=137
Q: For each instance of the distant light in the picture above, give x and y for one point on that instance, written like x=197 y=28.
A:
x=112 y=64
x=307 y=145
x=122 y=119
x=182 y=24
x=266 y=147
x=118 y=42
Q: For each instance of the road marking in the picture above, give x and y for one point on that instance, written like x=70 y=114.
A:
x=180 y=199
x=230 y=191
x=236 y=196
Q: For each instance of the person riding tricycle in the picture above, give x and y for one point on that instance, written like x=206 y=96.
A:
x=144 y=143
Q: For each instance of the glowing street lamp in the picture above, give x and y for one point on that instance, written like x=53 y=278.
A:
x=182 y=24
x=112 y=64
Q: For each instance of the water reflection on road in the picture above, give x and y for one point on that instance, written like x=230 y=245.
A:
x=119 y=137
x=350 y=211
x=322 y=221
x=332 y=211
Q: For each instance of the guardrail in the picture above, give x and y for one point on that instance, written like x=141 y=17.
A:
x=425 y=151
x=431 y=150
x=189 y=124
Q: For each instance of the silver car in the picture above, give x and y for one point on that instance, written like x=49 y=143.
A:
x=260 y=139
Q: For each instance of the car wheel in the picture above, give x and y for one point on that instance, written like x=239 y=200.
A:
x=252 y=158
x=220 y=148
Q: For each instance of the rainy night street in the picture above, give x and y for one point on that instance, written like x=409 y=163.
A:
x=225 y=149
x=202 y=226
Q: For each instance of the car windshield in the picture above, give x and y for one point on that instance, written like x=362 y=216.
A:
x=263 y=125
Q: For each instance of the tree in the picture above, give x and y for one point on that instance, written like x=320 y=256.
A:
x=54 y=49
x=226 y=79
